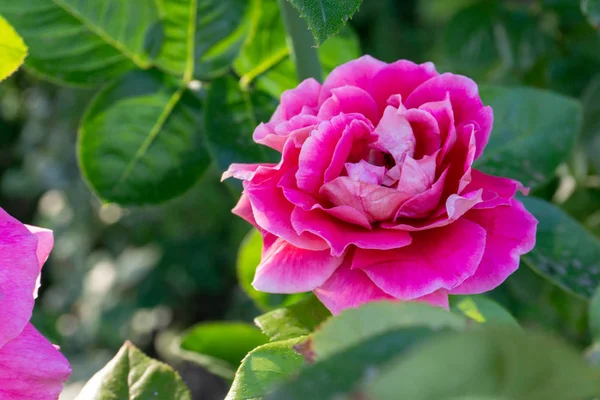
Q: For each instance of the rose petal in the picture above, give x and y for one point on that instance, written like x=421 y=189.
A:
x=510 y=233
x=425 y=130
x=340 y=235
x=44 y=247
x=243 y=171
x=306 y=94
x=439 y=298
x=348 y=100
x=362 y=171
x=422 y=204
x=436 y=259
x=496 y=190
x=395 y=135
x=31 y=368
x=288 y=269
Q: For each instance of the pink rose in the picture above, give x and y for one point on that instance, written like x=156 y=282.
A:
x=375 y=196
x=30 y=367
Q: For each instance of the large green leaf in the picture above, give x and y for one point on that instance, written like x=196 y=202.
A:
x=202 y=37
x=299 y=319
x=534 y=130
x=356 y=325
x=500 y=362
x=325 y=18
x=85 y=42
x=265 y=57
x=133 y=375
x=141 y=140
x=342 y=372
x=249 y=256
x=264 y=368
x=482 y=309
x=12 y=50
x=231 y=115
x=220 y=346
x=565 y=252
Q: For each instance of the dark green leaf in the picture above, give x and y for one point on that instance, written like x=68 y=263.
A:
x=231 y=115
x=565 y=252
x=325 y=18
x=591 y=9
x=591 y=121
x=248 y=259
x=356 y=325
x=534 y=130
x=264 y=368
x=299 y=319
x=202 y=37
x=482 y=309
x=220 y=346
x=503 y=362
x=141 y=140
x=83 y=42
x=133 y=375
x=342 y=372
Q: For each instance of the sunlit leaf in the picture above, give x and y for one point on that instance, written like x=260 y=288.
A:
x=12 y=50
x=482 y=309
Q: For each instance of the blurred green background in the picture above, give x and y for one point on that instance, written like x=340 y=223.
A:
x=147 y=273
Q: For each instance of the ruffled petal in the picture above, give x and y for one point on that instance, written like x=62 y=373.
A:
x=436 y=259
x=306 y=94
x=288 y=269
x=510 y=233
x=348 y=100
x=31 y=368
x=395 y=135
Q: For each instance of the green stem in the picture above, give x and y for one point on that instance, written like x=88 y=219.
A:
x=301 y=43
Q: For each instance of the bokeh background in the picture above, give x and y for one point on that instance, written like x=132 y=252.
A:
x=147 y=273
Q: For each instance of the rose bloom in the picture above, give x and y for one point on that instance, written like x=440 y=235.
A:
x=30 y=367
x=375 y=196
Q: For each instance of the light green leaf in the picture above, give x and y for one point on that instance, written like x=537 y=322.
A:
x=482 y=309
x=325 y=18
x=133 y=375
x=141 y=140
x=85 y=42
x=248 y=259
x=12 y=50
x=500 y=362
x=231 y=115
x=525 y=121
x=353 y=326
x=299 y=319
x=202 y=37
x=264 y=368
x=341 y=373
x=591 y=9
x=220 y=346
x=565 y=252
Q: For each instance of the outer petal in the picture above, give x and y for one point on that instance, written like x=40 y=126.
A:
x=243 y=171
x=496 y=190
x=340 y=235
x=347 y=100
x=44 y=247
x=19 y=270
x=466 y=103
x=306 y=94
x=437 y=259
x=288 y=269
x=439 y=298
x=510 y=233
x=31 y=368
x=399 y=78
x=348 y=288
x=357 y=73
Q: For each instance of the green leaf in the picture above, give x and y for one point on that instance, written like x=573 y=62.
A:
x=231 y=115
x=141 y=140
x=325 y=18
x=342 y=372
x=590 y=131
x=299 y=319
x=133 y=375
x=202 y=37
x=503 y=362
x=12 y=50
x=84 y=42
x=591 y=9
x=249 y=256
x=565 y=253
x=264 y=368
x=265 y=58
x=482 y=309
x=220 y=346
x=534 y=131
x=353 y=326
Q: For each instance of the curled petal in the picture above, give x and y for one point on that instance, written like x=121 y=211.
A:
x=496 y=190
x=395 y=135
x=243 y=171
x=348 y=100
x=293 y=101
x=288 y=269
x=440 y=258
x=362 y=171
